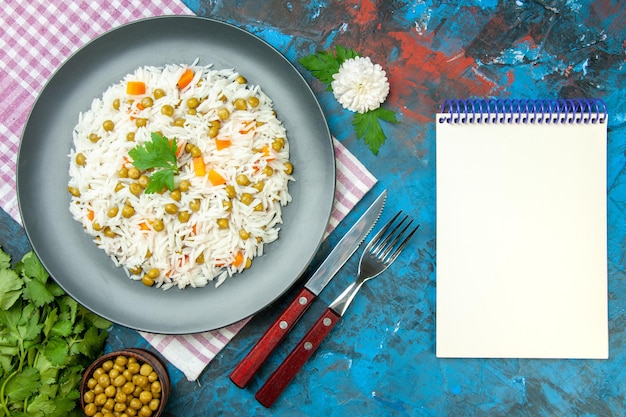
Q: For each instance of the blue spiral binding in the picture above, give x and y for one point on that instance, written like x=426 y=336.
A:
x=524 y=111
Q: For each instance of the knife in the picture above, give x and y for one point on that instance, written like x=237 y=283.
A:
x=245 y=370
x=384 y=248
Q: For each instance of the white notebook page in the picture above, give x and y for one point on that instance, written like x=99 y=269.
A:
x=521 y=241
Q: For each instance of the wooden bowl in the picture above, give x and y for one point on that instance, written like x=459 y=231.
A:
x=114 y=394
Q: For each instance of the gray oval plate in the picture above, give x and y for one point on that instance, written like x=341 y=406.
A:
x=83 y=270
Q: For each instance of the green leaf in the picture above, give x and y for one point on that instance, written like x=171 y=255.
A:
x=91 y=343
x=61 y=328
x=29 y=327
x=157 y=153
x=26 y=315
x=324 y=64
x=23 y=384
x=95 y=320
x=5 y=260
x=367 y=127
x=63 y=406
x=57 y=351
x=343 y=54
x=48 y=373
x=10 y=288
x=68 y=307
x=37 y=293
x=11 y=317
x=6 y=362
x=79 y=327
x=386 y=115
x=31 y=267
x=68 y=381
x=159 y=179
x=50 y=389
x=54 y=289
x=41 y=405
x=49 y=321
x=8 y=350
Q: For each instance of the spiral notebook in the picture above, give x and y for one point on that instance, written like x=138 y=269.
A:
x=521 y=229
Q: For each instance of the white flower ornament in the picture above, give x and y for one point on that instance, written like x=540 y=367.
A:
x=360 y=85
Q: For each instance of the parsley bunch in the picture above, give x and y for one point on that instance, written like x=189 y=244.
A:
x=323 y=65
x=160 y=152
x=46 y=342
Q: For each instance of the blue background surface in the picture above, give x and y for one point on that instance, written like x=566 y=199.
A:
x=380 y=360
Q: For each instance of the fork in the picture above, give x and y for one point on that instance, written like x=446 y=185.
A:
x=380 y=252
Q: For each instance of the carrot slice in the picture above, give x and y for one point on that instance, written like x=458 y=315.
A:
x=222 y=144
x=216 y=178
x=182 y=261
x=199 y=166
x=135 y=88
x=238 y=259
x=179 y=148
x=185 y=79
x=247 y=127
x=144 y=226
x=266 y=152
x=91 y=215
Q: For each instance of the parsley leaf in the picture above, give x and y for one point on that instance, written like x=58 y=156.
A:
x=37 y=293
x=30 y=266
x=10 y=288
x=56 y=351
x=367 y=127
x=61 y=328
x=5 y=260
x=42 y=405
x=62 y=406
x=159 y=179
x=160 y=152
x=324 y=64
x=23 y=384
x=91 y=343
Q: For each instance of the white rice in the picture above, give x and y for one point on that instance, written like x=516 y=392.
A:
x=177 y=251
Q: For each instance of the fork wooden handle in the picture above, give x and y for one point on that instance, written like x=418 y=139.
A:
x=245 y=370
x=287 y=370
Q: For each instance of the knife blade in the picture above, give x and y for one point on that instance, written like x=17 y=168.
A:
x=247 y=368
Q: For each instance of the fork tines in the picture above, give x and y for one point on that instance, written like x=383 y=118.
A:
x=388 y=248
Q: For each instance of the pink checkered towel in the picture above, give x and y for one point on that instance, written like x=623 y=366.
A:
x=36 y=37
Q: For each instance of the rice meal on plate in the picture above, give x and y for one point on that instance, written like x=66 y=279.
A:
x=179 y=173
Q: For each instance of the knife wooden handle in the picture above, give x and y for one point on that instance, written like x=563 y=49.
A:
x=245 y=370
x=287 y=370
